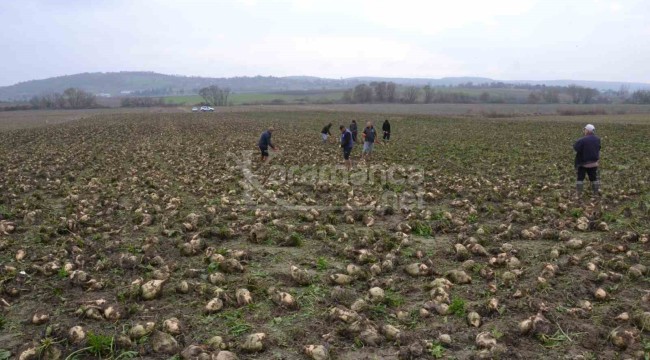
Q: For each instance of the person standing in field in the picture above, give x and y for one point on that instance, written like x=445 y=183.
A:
x=265 y=142
x=347 y=143
x=369 y=136
x=587 y=150
x=353 y=130
x=386 y=129
x=325 y=133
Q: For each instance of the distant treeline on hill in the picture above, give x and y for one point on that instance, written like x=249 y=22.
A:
x=78 y=99
x=374 y=92
x=390 y=92
x=138 y=83
x=71 y=98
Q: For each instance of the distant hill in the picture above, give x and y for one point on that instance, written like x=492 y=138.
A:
x=446 y=81
x=150 y=83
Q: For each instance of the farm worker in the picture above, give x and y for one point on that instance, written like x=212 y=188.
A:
x=353 y=130
x=587 y=150
x=325 y=133
x=369 y=135
x=386 y=128
x=347 y=143
x=265 y=143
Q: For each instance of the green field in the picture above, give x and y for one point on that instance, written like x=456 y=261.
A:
x=264 y=98
x=329 y=96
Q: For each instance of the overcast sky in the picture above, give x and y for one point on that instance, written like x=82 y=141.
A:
x=500 y=39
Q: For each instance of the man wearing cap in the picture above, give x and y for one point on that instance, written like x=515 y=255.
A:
x=587 y=150
x=265 y=143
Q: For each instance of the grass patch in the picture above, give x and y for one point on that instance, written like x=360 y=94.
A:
x=5 y=213
x=496 y=333
x=609 y=217
x=99 y=345
x=294 y=239
x=457 y=307
x=576 y=213
x=5 y=354
x=646 y=349
x=213 y=267
x=310 y=297
x=234 y=321
x=322 y=264
x=223 y=232
x=378 y=311
x=437 y=351
x=62 y=273
x=552 y=341
x=393 y=299
x=472 y=218
x=421 y=228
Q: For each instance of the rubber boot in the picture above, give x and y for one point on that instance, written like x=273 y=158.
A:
x=580 y=186
x=595 y=188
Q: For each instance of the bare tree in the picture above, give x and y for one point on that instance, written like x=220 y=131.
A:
x=640 y=97
x=215 y=96
x=73 y=97
x=79 y=99
x=624 y=91
x=59 y=101
x=551 y=95
x=534 y=98
x=391 y=91
x=362 y=93
x=348 y=97
x=411 y=94
x=580 y=94
x=381 y=90
x=429 y=94
x=574 y=92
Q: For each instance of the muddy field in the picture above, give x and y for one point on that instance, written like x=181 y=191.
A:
x=159 y=235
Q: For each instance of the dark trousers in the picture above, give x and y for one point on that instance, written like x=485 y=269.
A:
x=591 y=172
x=386 y=135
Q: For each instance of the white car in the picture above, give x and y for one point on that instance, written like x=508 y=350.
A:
x=206 y=108
x=195 y=109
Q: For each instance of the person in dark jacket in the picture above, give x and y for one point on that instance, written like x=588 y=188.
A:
x=325 y=133
x=353 y=129
x=346 y=144
x=587 y=150
x=265 y=142
x=386 y=129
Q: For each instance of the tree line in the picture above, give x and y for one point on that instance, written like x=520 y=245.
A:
x=389 y=92
x=71 y=98
x=640 y=97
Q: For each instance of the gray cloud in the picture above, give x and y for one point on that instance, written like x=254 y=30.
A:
x=507 y=39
